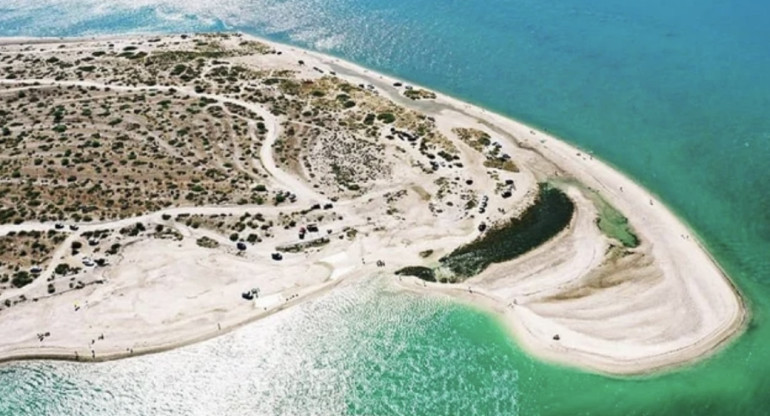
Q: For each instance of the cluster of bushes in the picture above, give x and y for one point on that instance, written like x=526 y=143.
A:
x=21 y=279
x=207 y=242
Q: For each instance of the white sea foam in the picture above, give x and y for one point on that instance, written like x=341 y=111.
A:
x=303 y=20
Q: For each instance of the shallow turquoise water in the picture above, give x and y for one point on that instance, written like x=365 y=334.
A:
x=362 y=350
x=675 y=93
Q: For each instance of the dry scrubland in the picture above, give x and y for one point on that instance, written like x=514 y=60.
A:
x=149 y=185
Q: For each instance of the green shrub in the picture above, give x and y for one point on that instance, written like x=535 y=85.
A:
x=21 y=279
x=386 y=118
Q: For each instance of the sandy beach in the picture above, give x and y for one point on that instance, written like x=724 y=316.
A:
x=578 y=300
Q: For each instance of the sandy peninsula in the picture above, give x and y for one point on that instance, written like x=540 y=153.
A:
x=162 y=190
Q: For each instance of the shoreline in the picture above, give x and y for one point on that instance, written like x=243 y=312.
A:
x=487 y=305
x=585 y=167
x=516 y=330
x=567 y=148
x=62 y=354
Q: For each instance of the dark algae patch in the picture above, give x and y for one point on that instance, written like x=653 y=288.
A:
x=424 y=273
x=551 y=212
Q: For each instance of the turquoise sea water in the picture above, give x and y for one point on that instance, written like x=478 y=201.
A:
x=675 y=93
